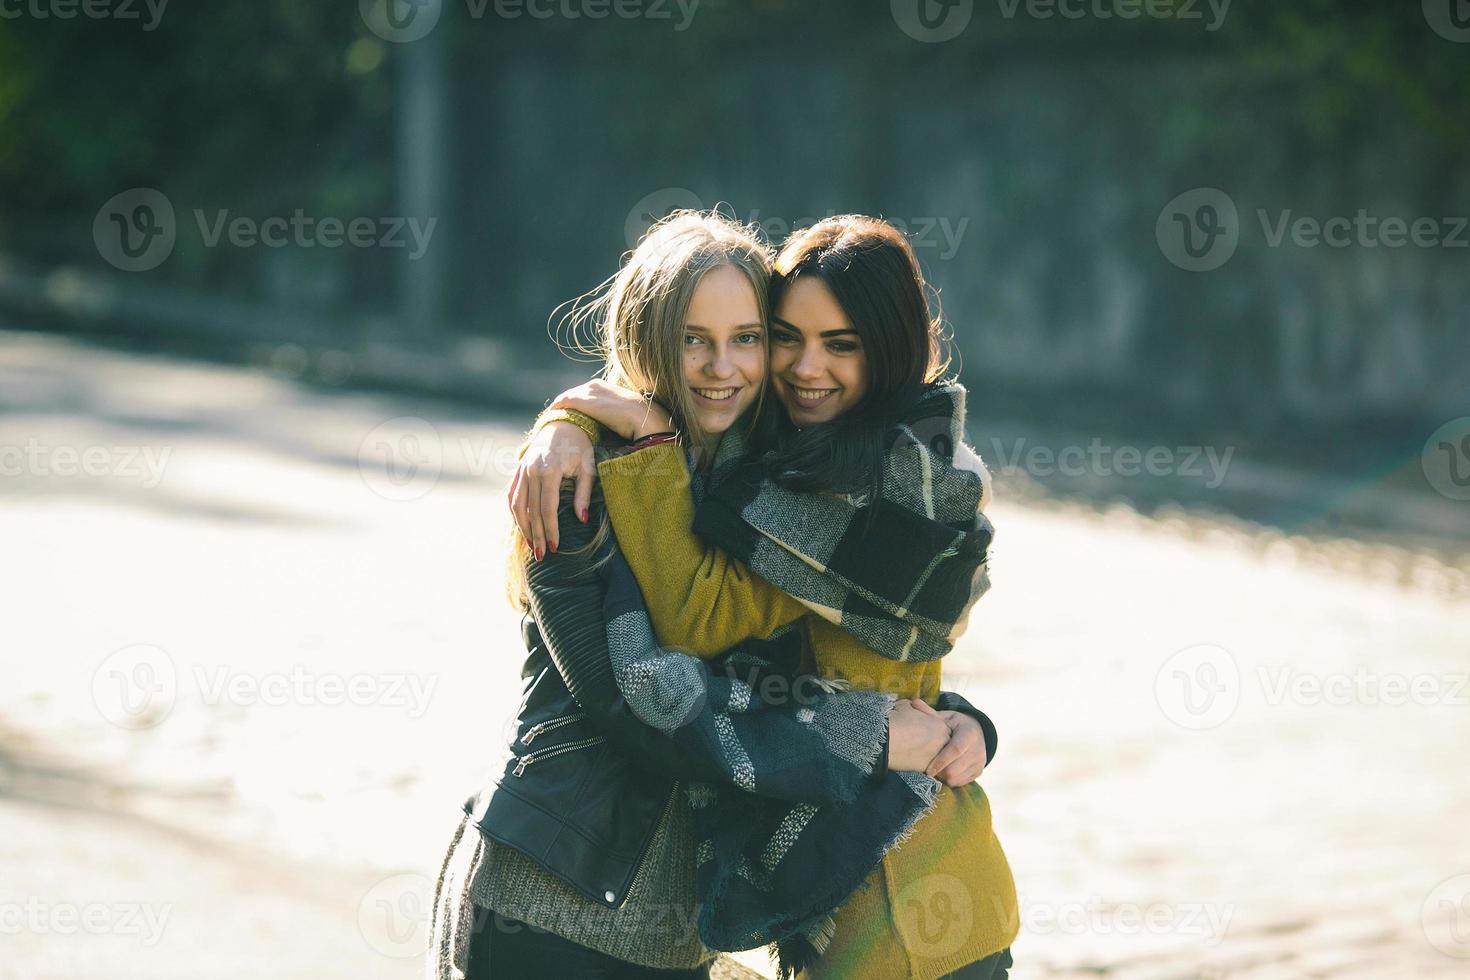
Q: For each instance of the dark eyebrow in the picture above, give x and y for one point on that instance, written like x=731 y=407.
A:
x=825 y=333
x=743 y=326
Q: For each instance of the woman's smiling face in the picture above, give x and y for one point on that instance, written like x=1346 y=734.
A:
x=818 y=366
x=724 y=352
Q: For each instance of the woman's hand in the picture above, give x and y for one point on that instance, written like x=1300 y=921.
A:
x=963 y=758
x=560 y=451
x=626 y=412
x=916 y=735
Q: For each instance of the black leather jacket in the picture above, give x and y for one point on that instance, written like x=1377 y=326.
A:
x=588 y=781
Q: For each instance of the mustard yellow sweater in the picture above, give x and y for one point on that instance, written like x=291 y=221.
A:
x=945 y=896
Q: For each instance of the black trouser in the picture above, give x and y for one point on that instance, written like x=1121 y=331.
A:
x=996 y=966
x=503 y=948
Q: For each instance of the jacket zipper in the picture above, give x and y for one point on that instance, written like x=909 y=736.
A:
x=555 y=750
x=642 y=858
x=552 y=725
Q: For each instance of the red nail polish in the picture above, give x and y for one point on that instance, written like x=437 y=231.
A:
x=584 y=515
x=553 y=547
x=538 y=553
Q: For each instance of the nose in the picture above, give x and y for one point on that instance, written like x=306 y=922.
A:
x=719 y=366
x=808 y=365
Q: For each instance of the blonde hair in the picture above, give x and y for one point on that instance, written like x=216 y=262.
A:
x=634 y=322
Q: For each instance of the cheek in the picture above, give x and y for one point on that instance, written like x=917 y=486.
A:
x=781 y=358
x=753 y=365
x=855 y=376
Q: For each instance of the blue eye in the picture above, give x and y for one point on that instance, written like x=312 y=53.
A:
x=690 y=339
x=749 y=338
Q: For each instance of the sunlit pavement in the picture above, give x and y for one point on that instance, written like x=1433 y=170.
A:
x=257 y=652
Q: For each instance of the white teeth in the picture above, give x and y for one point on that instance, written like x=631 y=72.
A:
x=716 y=394
x=813 y=394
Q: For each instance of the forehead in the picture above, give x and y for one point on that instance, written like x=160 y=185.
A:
x=809 y=306
x=724 y=297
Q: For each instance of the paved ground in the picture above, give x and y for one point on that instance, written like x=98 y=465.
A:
x=256 y=652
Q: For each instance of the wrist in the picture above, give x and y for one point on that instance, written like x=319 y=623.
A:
x=590 y=426
x=652 y=422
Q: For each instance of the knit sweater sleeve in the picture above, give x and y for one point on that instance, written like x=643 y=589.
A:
x=700 y=599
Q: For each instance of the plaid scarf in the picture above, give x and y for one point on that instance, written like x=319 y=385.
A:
x=900 y=573
x=799 y=820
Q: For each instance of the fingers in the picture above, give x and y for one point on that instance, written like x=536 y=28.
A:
x=956 y=775
x=924 y=706
x=516 y=496
x=533 y=506
x=582 y=497
x=950 y=753
x=550 y=490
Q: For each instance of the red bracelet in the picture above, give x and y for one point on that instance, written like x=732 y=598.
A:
x=652 y=439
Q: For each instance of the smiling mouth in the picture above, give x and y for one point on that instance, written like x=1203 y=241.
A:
x=716 y=394
x=811 y=396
